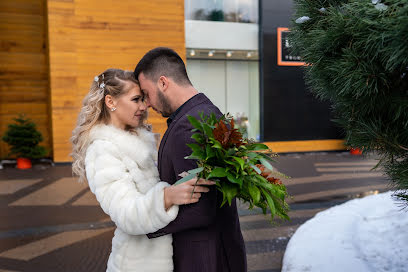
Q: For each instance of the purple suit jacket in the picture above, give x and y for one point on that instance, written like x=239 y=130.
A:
x=206 y=238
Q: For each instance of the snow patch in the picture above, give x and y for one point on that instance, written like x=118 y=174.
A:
x=364 y=235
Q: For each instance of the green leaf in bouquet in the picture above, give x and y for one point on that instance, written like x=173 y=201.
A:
x=229 y=191
x=237 y=180
x=196 y=170
x=231 y=151
x=195 y=147
x=243 y=147
x=201 y=114
x=234 y=163
x=218 y=172
x=240 y=161
x=256 y=168
x=197 y=155
x=284 y=216
x=252 y=155
x=217 y=144
x=213 y=119
x=277 y=173
x=263 y=183
x=186 y=178
x=266 y=164
x=207 y=130
x=263 y=206
x=199 y=138
x=282 y=208
x=270 y=202
x=281 y=211
x=195 y=123
x=255 y=193
x=191 y=157
x=200 y=154
x=266 y=157
x=280 y=193
x=256 y=146
x=210 y=152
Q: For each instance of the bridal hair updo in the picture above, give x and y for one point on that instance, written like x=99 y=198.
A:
x=114 y=82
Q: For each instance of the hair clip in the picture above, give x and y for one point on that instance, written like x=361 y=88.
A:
x=96 y=79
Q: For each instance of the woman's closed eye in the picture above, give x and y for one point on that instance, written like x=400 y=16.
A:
x=137 y=99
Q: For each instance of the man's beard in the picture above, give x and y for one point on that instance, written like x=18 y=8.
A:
x=166 y=110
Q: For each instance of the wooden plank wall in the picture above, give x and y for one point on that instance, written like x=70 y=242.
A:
x=23 y=66
x=87 y=37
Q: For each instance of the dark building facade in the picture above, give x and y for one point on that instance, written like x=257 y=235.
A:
x=289 y=112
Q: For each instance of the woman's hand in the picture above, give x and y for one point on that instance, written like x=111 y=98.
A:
x=185 y=193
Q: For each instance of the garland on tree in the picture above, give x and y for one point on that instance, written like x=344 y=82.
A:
x=357 y=56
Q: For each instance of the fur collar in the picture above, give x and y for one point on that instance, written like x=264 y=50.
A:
x=139 y=146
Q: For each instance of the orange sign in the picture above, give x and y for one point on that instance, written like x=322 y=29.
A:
x=285 y=58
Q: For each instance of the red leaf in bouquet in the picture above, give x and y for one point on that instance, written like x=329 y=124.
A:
x=265 y=174
x=274 y=181
x=220 y=133
x=264 y=171
x=235 y=137
x=227 y=136
x=260 y=167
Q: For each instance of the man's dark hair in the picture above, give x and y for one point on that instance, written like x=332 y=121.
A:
x=163 y=61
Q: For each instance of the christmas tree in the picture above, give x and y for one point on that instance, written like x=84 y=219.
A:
x=23 y=137
x=356 y=53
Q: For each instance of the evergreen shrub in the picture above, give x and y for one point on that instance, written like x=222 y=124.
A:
x=356 y=53
x=23 y=138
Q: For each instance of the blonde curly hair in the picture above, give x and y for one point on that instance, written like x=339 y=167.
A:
x=115 y=82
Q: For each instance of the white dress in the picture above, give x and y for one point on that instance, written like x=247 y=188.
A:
x=121 y=172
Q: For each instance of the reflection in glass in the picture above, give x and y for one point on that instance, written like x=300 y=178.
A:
x=233 y=86
x=242 y=11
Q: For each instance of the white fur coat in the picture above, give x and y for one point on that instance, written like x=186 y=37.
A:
x=121 y=172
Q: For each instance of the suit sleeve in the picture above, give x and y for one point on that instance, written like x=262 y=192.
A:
x=133 y=212
x=197 y=215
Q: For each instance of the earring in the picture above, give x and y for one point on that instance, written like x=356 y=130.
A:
x=113 y=109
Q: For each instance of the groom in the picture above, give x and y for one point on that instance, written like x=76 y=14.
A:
x=206 y=238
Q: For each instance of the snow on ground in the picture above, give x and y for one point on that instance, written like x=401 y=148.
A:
x=367 y=234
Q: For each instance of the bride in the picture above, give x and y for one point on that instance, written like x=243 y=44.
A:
x=114 y=151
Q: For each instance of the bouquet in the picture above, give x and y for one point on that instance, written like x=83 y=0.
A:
x=240 y=167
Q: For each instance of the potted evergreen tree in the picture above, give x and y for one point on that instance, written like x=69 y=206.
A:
x=23 y=138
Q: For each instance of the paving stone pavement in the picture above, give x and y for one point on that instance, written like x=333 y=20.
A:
x=49 y=222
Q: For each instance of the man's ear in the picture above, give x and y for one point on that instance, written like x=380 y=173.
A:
x=109 y=102
x=163 y=83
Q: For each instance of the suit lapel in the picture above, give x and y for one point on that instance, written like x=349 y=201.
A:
x=160 y=155
x=161 y=147
x=198 y=99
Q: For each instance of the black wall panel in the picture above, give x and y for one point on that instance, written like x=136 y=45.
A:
x=289 y=111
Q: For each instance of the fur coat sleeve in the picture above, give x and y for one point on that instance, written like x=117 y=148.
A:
x=109 y=179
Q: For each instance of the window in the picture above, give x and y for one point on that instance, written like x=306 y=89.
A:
x=233 y=86
x=239 y=11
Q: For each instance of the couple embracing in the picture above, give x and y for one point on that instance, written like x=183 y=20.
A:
x=160 y=226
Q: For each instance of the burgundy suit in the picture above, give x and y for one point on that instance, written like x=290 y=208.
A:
x=206 y=238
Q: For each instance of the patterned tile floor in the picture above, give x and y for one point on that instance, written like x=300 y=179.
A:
x=49 y=222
